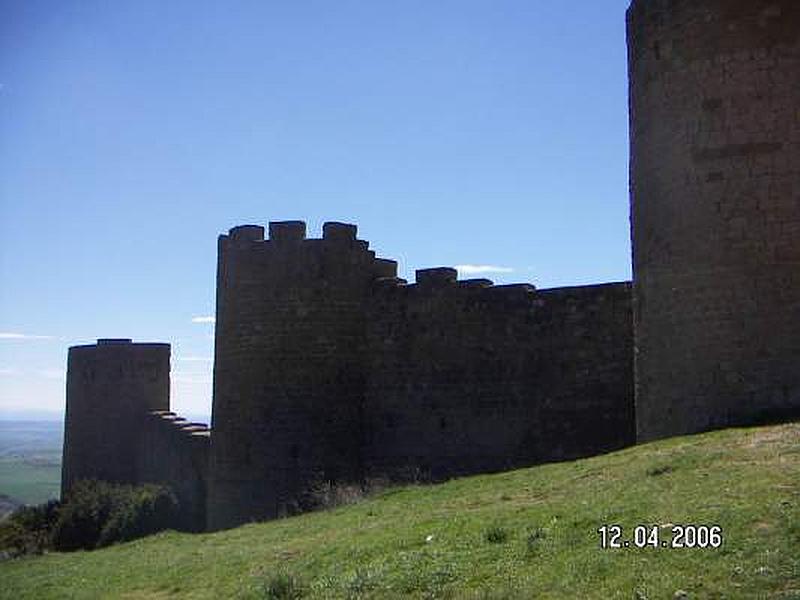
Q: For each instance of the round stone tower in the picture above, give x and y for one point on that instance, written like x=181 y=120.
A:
x=110 y=388
x=288 y=366
x=715 y=212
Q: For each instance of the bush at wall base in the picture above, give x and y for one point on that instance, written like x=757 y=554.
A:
x=97 y=514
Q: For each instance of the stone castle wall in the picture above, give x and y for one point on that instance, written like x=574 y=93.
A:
x=715 y=191
x=174 y=452
x=466 y=377
x=328 y=369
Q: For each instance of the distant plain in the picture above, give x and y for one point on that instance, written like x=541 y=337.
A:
x=30 y=460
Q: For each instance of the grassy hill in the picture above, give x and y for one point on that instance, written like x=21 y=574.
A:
x=524 y=534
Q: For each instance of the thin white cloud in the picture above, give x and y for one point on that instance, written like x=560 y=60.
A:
x=478 y=269
x=7 y=335
x=203 y=320
x=4 y=371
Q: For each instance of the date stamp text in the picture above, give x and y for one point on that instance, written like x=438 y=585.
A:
x=655 y=536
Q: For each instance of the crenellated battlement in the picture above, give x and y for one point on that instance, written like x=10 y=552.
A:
x=289 y=232
x=437 y=295
x=287 y=243
x=437 y=277
x=246 y=233
x=479 y=283
x=339 y=232
x=445 y=280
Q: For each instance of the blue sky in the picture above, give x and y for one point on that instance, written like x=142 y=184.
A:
x=133 y=133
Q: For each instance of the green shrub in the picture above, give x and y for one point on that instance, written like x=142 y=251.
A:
x=40 y=517
x=86 y=510
x=28 y=529
x=97 y=514
x=15 y=540
x=140 y=511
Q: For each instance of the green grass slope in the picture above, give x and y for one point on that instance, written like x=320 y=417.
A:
x=525 y=534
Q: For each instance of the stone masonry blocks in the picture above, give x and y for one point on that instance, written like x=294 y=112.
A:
x=715 y=207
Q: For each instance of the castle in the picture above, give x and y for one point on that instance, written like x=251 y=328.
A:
x=329 y=368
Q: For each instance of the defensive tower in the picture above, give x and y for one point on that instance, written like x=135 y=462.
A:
x=288 y=366
x=715 y=212
x=111 y=386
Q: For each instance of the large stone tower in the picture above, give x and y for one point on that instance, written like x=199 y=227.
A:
x=111 y=386
x=288 y=366
x=715 y=189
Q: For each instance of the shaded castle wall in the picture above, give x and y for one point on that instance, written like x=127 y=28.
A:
x=288 y=367
x=466 y=377
x=715 y=188
x=328 y=368
x=110 y=387
x=174 y=452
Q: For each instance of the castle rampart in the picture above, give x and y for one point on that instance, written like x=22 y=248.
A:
x=715 y=212
x=329 y=368
x=466 y=377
